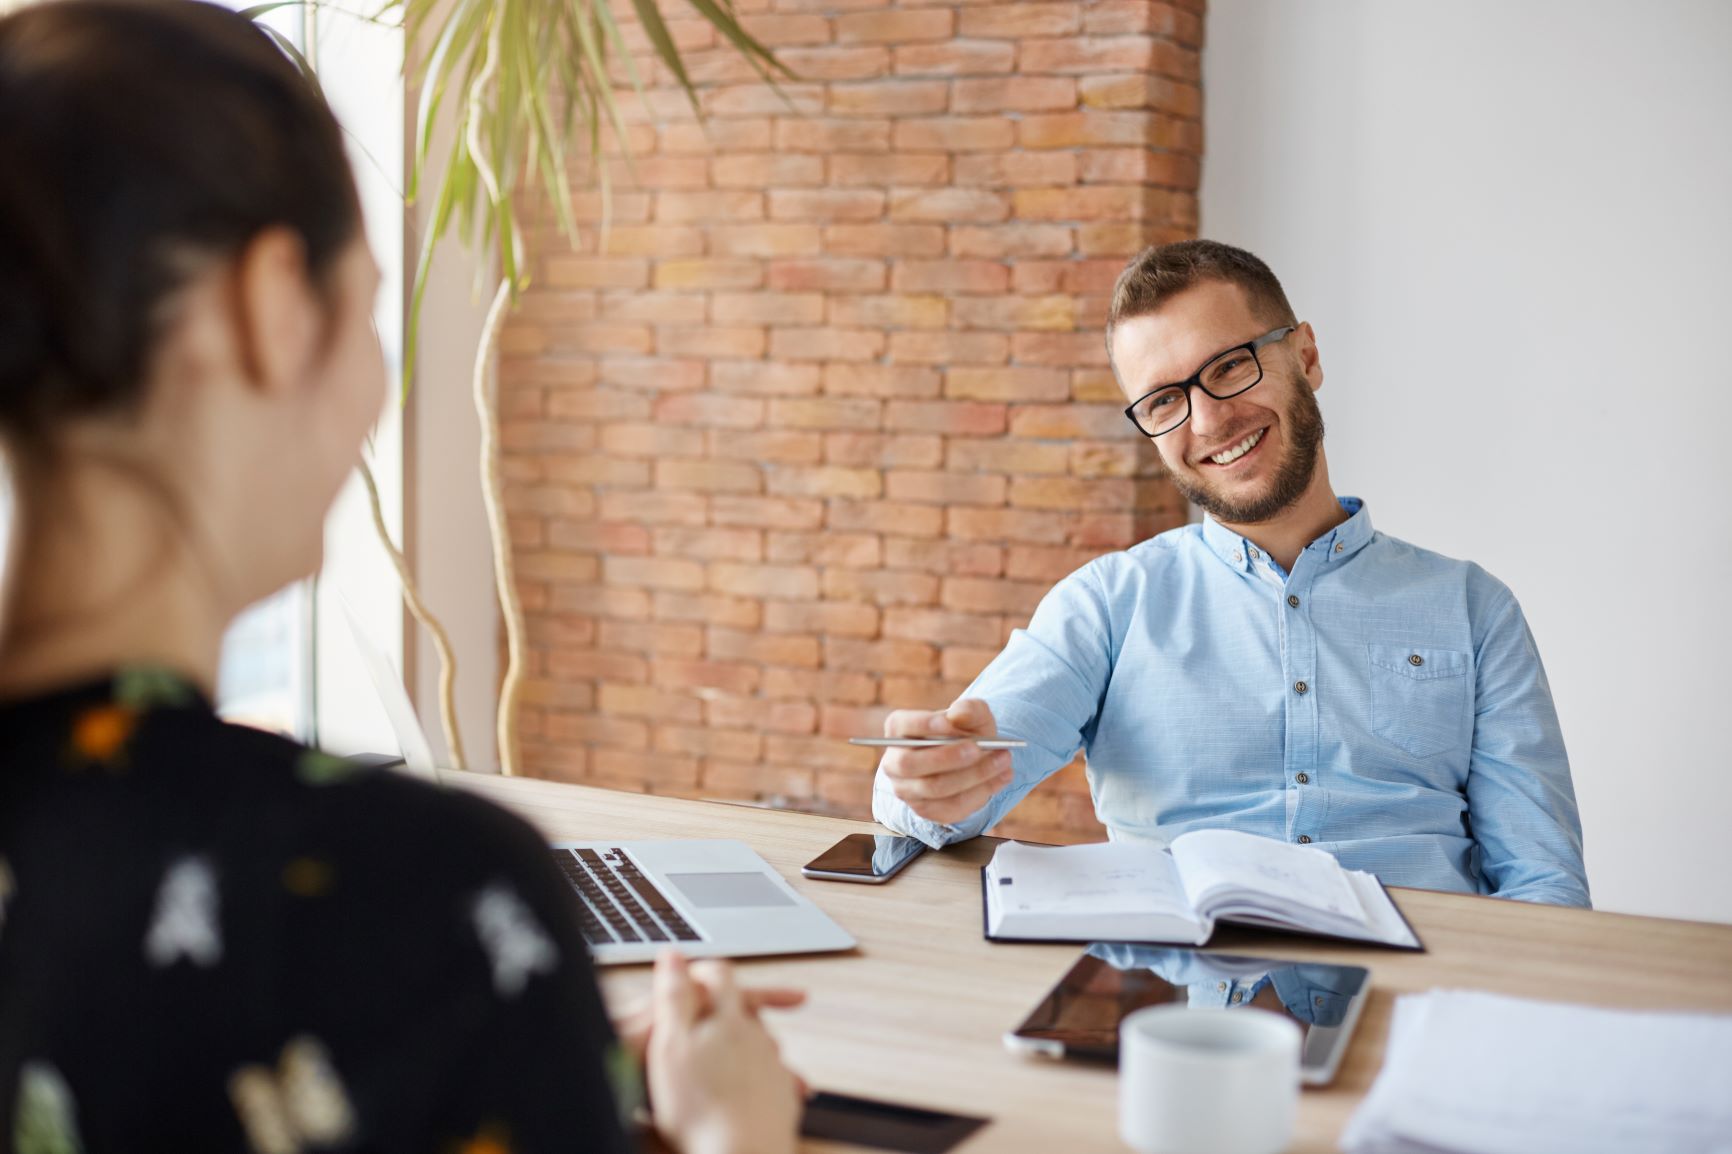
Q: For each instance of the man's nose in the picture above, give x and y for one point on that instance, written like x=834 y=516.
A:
x=1209 y=417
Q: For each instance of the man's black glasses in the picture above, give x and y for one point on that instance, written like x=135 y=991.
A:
x=1226 y=375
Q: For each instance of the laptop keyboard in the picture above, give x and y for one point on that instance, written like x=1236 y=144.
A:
x=618 y=903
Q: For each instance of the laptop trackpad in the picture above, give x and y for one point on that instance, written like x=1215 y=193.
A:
x=729 y=890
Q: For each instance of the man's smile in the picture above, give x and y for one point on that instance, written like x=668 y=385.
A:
x=1236 y=453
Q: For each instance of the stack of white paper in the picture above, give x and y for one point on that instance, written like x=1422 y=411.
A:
x=1479 y=1072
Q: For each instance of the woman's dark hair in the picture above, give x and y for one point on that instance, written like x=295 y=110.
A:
x=138 y=140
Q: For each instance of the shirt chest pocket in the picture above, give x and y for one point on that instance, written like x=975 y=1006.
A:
x=1419 y=697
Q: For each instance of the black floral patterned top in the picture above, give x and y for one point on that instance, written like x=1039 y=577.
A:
x=213 y=939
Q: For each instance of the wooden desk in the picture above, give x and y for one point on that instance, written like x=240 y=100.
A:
x=917 y=1014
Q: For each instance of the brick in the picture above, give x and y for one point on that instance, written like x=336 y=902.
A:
x=1066 y=349
x=890 y=311
x=545 y=436
x=767 y=512
x=759 y=99
x=663 y=172
x=828 y=275
x=1069 y=493
x=652 y=573
x=1138 y=90
x=714 y=136
x=824 y=753
x=826 y=204
x=731 y=744
x=826 y=344
x=1115 y=238
x=1089 y=55
x=652 y=640
x=884 y=240
x=764 y=378
x=974 y=595
x=557 y=695
x=856 y=550
x=711 y=204
x=1095 y=386
x=764 y=240
x=1044 y=312
x=780 y=446
x=824 y=481
x=885 y=517
x=941 y=626
x=590 y=665
x=1159 y=19
x=711 y=341
x=601 y=537
x=852 y=721
x=1014 y=93
x=880 y=587
x=652 y=240
x=563 y=631
x=945 y=558
x=829 y=136
x=710 y=410
x=1099 y=202
x=553 y=500
x=947 y=348
x=568 y=763
x=1045 y=563
x=644 y=701
x=951 y=276
x=1007 y=383
x=766 y=308
x=895 y=26
x=1008 y=241
x=880 y=381
x=1073 y=421
x=853 y=62
x=782 y=786
x=825 y=413
x=1007 y=525
x=589 y=729
x=903 y=171
x=763 y=648
x=953 y=58
x=839 y=617
x=954 y=417
x=638 y=769
x=768 y=170
x=707 y=273
x=787 y=28
x=655 y=508
x=709 y=544
x=920 y=692
x=653 y=308
x=953 y=134
x=1012 y=457
x=944 y=488
x=621 y=207
x=889 y=656
x=567 y=272
x=575 y=567
x=962 y=663
x=623 y=604
x=708 y=609
x=950 y=205
x=1137 y=165
x=880 y=450
x=732 y=676
x=820 y=685
x=1018 y=21
x=729 y=712
x=889 y=98
x=709 y=476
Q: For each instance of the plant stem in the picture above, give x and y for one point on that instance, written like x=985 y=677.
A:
x=493 y=497
x=418 y=609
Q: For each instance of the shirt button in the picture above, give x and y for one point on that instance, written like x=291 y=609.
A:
x=1302 y=778
x=1292 y=601
x=1238 y=996
x=1300 y=687
x=1339 y=546
x=1255 y=554
x=1221 y=987
x=1238 y=557
x=1416 y=660
x=1304 y=839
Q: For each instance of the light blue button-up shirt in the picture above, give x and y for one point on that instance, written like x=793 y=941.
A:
x=1380 y=702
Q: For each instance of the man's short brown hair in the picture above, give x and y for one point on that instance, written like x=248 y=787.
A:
x=1162 y=271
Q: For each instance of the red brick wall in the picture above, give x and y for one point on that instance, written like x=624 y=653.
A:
x=830 y=413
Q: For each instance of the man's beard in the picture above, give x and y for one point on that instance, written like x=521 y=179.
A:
x=1302 y=428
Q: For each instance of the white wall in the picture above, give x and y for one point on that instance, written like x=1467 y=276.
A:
x=1511 y=224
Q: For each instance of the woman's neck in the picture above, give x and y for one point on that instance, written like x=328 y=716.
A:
x=102 y=574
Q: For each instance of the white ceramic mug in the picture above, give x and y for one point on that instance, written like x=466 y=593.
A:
x=1207 y=1081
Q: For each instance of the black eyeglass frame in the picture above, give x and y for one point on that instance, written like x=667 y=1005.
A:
x=1195 y=380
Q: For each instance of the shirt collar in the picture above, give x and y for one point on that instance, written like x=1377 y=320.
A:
x=1335 y=546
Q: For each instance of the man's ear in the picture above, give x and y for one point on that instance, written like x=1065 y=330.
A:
x=1310 y=360
x=278 y=313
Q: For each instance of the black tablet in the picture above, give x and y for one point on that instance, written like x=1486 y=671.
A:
x=1079 y=1017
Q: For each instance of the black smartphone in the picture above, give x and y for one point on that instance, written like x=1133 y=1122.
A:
x=864 y=857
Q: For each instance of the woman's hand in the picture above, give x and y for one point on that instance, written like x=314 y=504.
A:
x=716 y=1077
x=637 y=1023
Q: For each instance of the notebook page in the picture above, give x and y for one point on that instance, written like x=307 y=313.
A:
x=1283 y=876
x=1105 y=878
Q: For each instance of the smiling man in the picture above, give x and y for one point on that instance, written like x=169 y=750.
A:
x=1281 y=668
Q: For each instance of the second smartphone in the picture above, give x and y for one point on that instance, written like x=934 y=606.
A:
x=864 y=857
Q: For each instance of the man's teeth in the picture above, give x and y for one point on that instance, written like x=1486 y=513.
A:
x=1239 y=450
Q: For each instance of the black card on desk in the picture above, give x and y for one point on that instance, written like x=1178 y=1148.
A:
x=884 y=1125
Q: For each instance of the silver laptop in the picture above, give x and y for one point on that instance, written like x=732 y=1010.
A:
x=707 y=899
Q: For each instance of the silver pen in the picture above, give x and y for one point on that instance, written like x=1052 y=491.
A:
x=930 y=742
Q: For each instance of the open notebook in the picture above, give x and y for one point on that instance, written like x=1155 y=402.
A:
x=1129 y=892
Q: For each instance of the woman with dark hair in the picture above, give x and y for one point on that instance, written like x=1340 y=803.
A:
x=212 y=938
